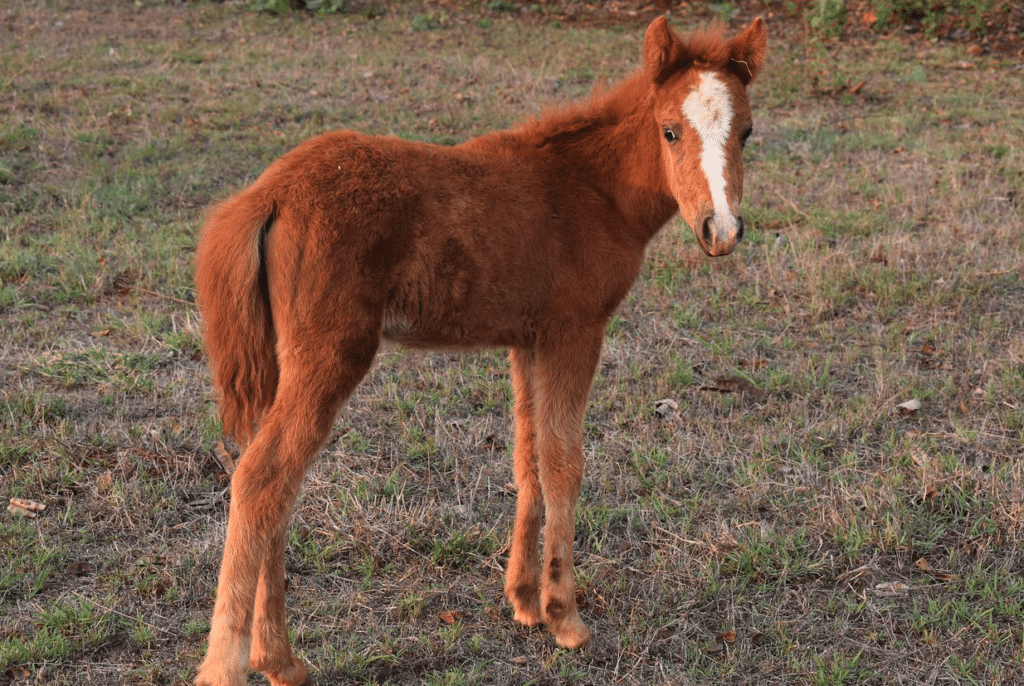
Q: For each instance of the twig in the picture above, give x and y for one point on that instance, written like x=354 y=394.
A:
x=223 y=457
x=793 y=205
x=161 y=295
x=121 y=614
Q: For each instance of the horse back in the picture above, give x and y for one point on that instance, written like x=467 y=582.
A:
x=474 y=245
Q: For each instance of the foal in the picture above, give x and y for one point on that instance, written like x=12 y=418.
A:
x=527 y=239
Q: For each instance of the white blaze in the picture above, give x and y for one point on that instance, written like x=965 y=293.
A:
x=709 y=110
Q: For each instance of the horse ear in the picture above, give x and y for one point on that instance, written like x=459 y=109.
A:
x=747 y=51
x=662 y=48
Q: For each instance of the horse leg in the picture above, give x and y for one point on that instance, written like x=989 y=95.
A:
x=522 y=584
x=271 y=653
x=314 y=382
x=564 y=368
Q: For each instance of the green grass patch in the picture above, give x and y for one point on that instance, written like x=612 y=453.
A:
x=783 y=499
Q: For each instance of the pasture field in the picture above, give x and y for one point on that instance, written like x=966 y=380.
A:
x=761 y=505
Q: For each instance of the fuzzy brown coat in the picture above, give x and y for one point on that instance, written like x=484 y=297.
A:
x=527 y=239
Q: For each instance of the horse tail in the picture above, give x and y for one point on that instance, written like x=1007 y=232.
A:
x=238 y=329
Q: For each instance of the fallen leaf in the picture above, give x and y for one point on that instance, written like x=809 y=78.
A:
x=909 y=407
x=15 y=510
x=492 y=442
x=28 y=504
x=923 y=565
x=726 y=636
x=714 y=649
x=25 y=508
x=892 y=588
x=79 y=569
x=976 y=546
x=665 y=407
x=581 y=598
x=450 y=616
x=733 y=384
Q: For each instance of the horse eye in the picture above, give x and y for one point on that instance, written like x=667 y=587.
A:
x=670 y=135
x=745 y=136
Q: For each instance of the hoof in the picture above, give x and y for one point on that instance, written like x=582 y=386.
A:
x=525 y=604
x=207 y=677
x=571 y=633
x=292 y=674
x=527 y=616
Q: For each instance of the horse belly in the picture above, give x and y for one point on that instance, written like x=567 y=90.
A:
x=454 y=298
x=453 y=334
x=435 y=323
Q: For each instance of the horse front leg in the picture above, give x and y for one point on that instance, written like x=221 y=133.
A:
x=522 y=586
x=565 y=365
x=561 y=472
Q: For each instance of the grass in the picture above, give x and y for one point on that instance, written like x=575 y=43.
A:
x=800 y=531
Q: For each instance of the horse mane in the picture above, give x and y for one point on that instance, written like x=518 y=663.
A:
x=704 y=48
x=605 y=106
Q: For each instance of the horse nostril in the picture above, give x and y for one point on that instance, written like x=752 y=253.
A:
x=705 y=230
x=739 y=230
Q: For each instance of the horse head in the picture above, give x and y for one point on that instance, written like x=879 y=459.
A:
x=703 y=118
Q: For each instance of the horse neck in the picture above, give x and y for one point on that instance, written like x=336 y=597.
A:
x=615 y=146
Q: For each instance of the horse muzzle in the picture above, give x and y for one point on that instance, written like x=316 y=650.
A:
x=718 y=235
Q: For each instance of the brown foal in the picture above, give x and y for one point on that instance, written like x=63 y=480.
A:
x=527 y=239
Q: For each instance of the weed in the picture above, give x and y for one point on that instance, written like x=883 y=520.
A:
x=932 y=13
x=826 y=17
x=64 y=631
x=501 y=5
x=429 y=22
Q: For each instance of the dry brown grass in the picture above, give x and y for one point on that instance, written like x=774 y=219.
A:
x=772 y=536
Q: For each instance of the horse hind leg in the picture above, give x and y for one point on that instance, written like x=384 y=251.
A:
x=315 y=381
x=523 y=576
x=271 y=653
